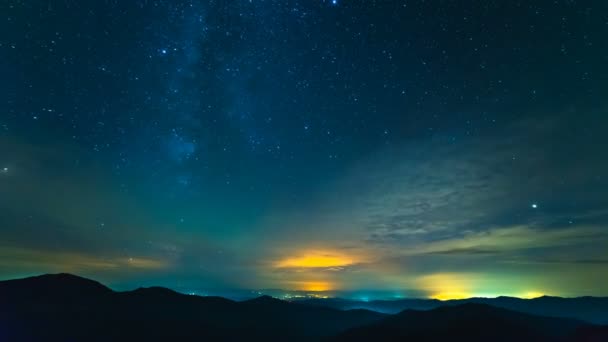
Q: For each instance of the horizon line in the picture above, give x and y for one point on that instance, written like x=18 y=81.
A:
x=357 y=295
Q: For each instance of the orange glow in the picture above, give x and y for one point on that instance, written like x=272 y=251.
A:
x=315 y=260
x=316 y=286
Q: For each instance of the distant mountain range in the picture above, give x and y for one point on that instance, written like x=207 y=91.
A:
x=65 y=307
x=590 y=309
x=473 y=322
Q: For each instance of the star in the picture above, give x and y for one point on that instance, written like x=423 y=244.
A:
x=305 y=132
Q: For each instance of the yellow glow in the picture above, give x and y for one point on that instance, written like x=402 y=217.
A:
x=451 y=295
x=315 y=260
x=532 y=294
x=446 y=286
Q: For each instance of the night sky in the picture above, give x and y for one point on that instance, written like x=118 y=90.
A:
x=438 y=149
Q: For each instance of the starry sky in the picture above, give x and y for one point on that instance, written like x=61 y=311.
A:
x=438 y=148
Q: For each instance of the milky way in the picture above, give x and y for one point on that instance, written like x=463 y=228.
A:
x=424 y=148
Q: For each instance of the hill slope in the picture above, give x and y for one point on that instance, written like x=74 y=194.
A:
x=69 y=308
x=65 y=307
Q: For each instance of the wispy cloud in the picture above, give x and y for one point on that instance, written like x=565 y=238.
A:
x=36 y=260
x=512 y=239
x=510 y=200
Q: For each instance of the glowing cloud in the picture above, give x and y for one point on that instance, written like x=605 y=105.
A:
x=446 y=286
x=315 y=260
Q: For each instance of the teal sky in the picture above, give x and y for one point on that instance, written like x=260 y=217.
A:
x=439 y=149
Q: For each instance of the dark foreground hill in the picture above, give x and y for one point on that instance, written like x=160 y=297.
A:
x=69 y=308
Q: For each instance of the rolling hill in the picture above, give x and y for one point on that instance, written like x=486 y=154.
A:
x=65 y=307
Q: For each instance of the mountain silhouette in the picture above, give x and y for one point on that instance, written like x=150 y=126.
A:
x=65 y=307
x=473 y=322
x=69 y=308
x=589 y=309
x=62 y=284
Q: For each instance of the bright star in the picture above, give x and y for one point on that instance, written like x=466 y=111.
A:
x=534 y=205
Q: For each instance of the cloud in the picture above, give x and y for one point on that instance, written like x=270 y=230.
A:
x=574 y=261
x=38 y=260
x=511 y=239
x=316 y=259
x=465 y=251
x=463 y=207
x=438 y=189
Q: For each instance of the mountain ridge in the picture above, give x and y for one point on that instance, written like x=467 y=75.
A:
x=59 y=307
x=67 y=307
x=443 y=323
x=590 y=309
